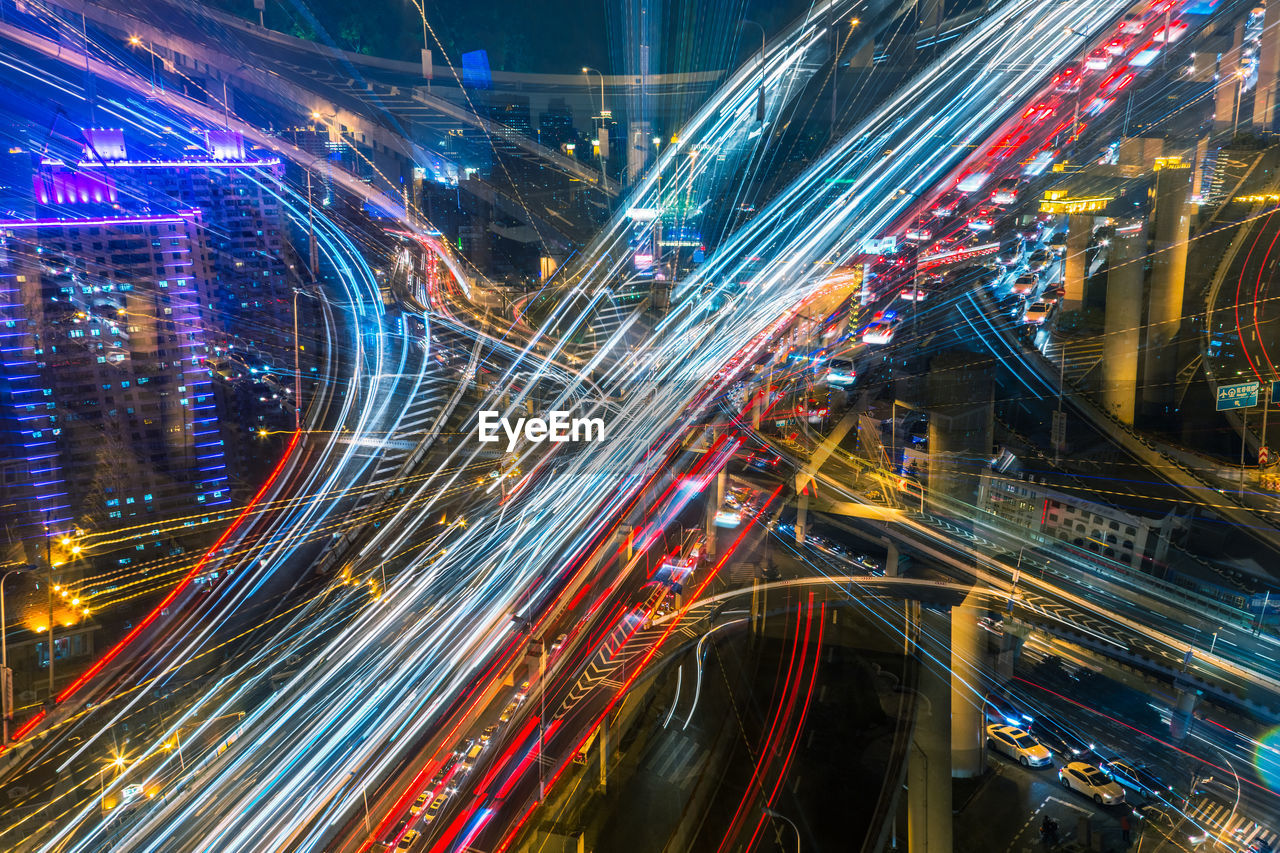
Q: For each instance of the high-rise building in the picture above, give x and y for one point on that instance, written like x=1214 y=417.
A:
x=109 y=399
x=243 y=225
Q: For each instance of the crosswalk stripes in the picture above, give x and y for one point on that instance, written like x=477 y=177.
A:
x=1223 y=821
x=677 y=760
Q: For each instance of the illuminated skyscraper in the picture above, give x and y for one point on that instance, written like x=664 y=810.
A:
x=105 y=369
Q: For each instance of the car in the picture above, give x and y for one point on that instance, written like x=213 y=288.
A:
x=1036 y=313
x=1060 y=738
x=390 y=838
x=814 y=411
x=406 y=840
x=1067 y=81
x=1133 y=24
x=840 y=371
x=765 y=460
x=1089 y=780
x=509 y=711
x=559 y=643
x=522 y=691
x=885 y=315
x=1039 y=260
x=488 y=733
x=1010 y=253
x=1118 y=45
x=913 y=293
x=1006 y=192
x=878 y=333
x=1098 y=60
x=1018 y=745
x=982 y=220
x=434 y=810
x=946 y=206
x=918 y=235
x=1134 y=777
x=1175 y=31
x=419 y=804
x=1025 y=284
x=1058 y=243
x=1168 y=823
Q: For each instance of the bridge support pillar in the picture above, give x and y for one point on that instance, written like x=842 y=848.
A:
x=891 y=560
x=929 y=761
x=1015 y=636
x=604 y=752
x=715 y=499
x=1122 y=323
x=1171 y=223
x=1180 y=721
x=802 y=517
x=1079 y=230
x=1226 y=103
x=968 y=656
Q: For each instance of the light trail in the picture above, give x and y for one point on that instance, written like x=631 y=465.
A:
x=396 y=665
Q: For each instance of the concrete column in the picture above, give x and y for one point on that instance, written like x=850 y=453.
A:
x=864 y=56
x=929 y=760
x=1015 y=637
x=1171 y=226
x=715 y=499
x=757 y=406
x=802 y=517
x=1264 y=96
x=639 y=149
x=891 y=561
x=1122 y=325
x=1079 y=230
x=1180 y=721
x=604 y=752
x=930 y=12
x=961 y=406
x=968 y=655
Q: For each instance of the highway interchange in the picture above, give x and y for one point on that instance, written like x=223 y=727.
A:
x=378 y=677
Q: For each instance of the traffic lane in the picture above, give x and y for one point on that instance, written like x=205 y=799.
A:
x=1006 y=812
x=575 y=716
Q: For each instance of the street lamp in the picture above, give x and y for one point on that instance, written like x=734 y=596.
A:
x=586 y=70
x=135 y=41
x=226 y=106
x=776 y=816
x=118 y=764
x=760 y=95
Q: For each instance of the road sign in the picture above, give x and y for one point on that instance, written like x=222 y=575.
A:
x=1241 y=396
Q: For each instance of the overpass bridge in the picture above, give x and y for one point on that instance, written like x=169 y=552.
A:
x=237 y=67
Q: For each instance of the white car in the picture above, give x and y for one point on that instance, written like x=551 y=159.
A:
x=1099 y=60
x=878 y=333
x=1018 y=745
x=1025 y=284
x=1036 y=313
x=1092 y=782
